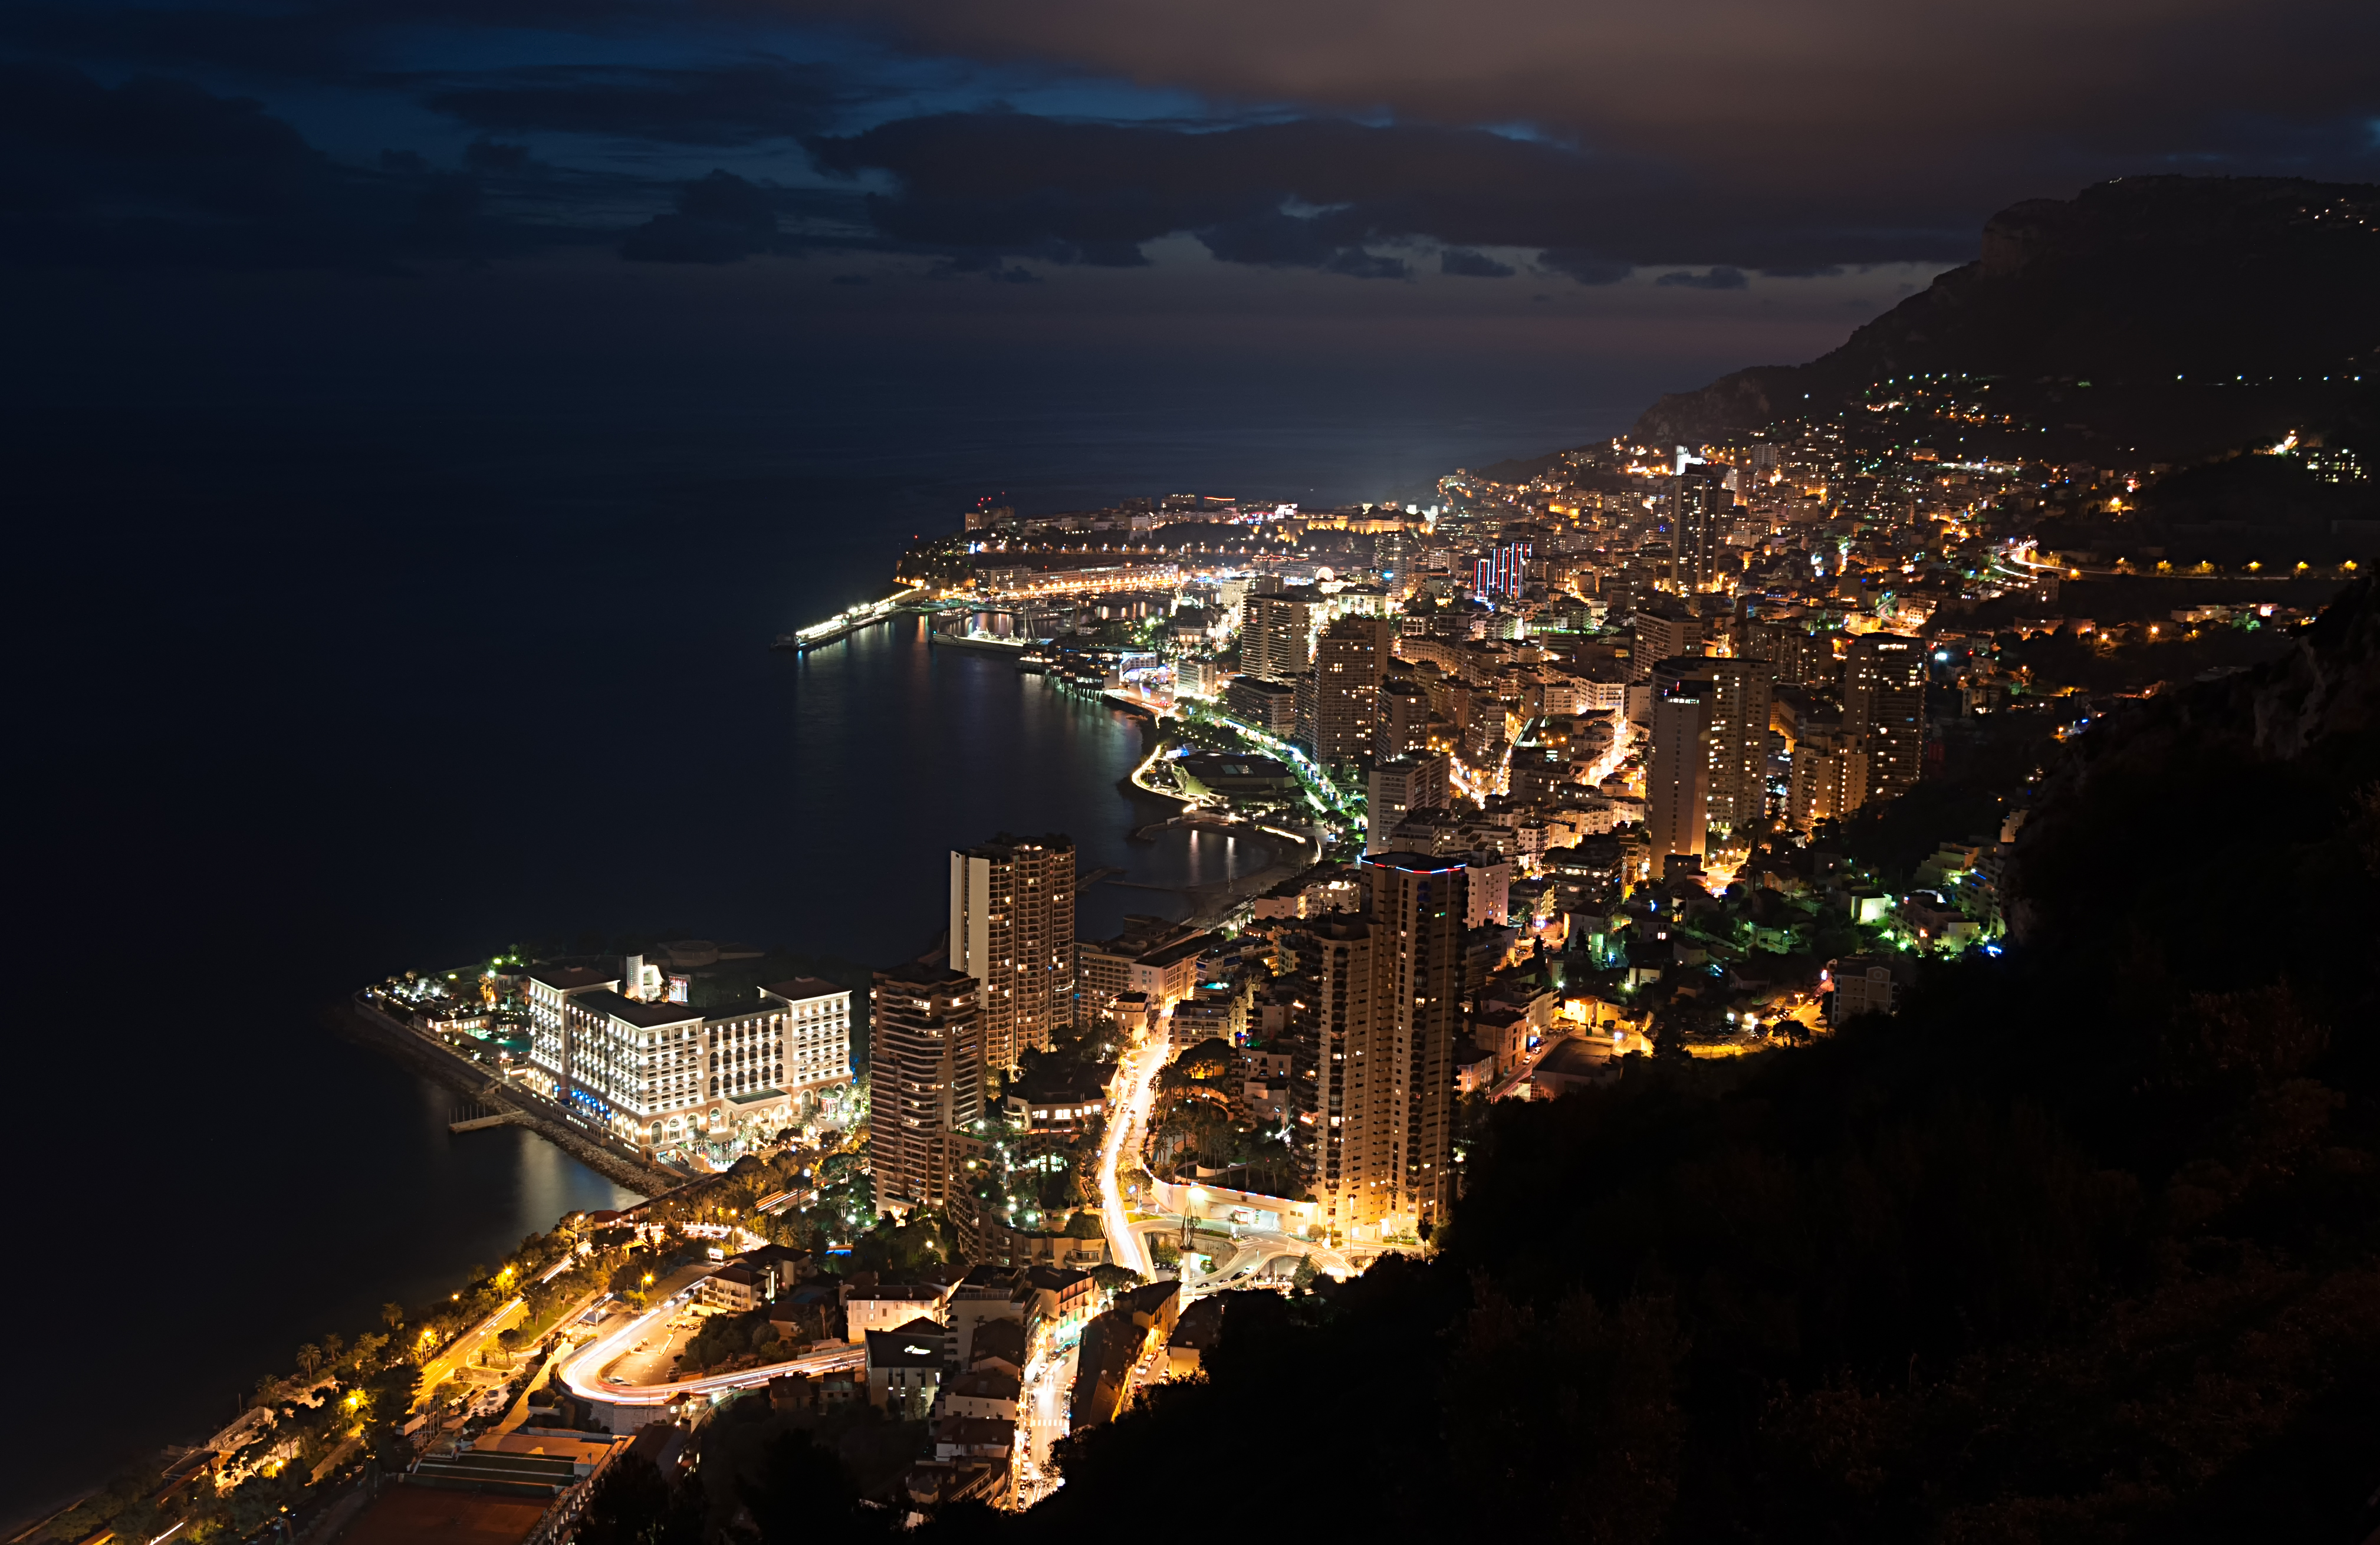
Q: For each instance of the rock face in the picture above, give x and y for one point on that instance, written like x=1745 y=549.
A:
x=2266 y=756
x=2327 y=686
x=2124 y=286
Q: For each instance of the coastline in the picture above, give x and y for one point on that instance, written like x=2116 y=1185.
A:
x=362 y=1022
x=1210 y=904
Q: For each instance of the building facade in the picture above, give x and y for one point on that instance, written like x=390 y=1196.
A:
x=1270 y=706
x=1404 y=718
x=1740 y=698
x=1666 y=629
x=1012 y=928
x=667 y=1077
x=1884 y=705
x=1276 y=636
x=1829 y=776
x=1391 y=988
x=926 y=1080
x=1399 y=786
x=1699 y=508
x=1349 y=662
x=1677 y=775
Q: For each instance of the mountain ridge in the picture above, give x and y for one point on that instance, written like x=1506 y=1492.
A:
x=2118 y=291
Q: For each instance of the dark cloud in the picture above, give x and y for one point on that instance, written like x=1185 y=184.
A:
x=985 y=266
x=1716 y=279
x=1275 y=239
x=66 y=142
x=738 y=105
x=1924 y=115
x=720 y=218
x=1587 y=268
x=163 y=173
x=1866 y=131
x=1466 y=263
x=1320 y=194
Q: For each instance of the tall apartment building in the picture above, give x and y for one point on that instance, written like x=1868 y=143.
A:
x=1677 y=777
x=1405 y=717
x=1390 y=988
x=664 y=1075
x=1012 y=928
x=1741 y=692
x=1349 y=661
x=1802 y=658
x=1699 y=507
x=1884 y=704
x=1276 y=636
x=1399 y=786
x=926 y=1077
x=1270 y=706
x=1830 y=777
x=1666 y=628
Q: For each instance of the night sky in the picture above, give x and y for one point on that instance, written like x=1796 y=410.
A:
x=202 y=192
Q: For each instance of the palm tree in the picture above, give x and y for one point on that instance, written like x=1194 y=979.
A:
x=310 y=1357
x=392 y=1315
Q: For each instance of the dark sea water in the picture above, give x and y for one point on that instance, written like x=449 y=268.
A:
x=310 y=685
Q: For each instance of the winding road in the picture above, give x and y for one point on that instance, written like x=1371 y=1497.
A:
x=582 y=1373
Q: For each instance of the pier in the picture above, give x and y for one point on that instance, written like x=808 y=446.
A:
x=843 y=624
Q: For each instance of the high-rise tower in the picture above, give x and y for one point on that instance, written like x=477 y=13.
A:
x=1699 y=507
x=1013 y=930
x=1884 y=707
x=1348 y=664
x=1391 y=988
x=1677 y=779
x=924 y=1072
x=1276 y=636
x=1741 y=691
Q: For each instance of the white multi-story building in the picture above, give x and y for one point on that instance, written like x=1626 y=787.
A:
x=663 y=1076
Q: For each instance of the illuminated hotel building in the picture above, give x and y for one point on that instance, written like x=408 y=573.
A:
x=1012 y=928
x=1390 y=990
x=662 y=1075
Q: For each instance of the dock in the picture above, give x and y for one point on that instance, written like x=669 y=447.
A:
x=902 y=604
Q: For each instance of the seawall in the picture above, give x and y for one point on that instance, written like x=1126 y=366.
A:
x=418 y=1051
